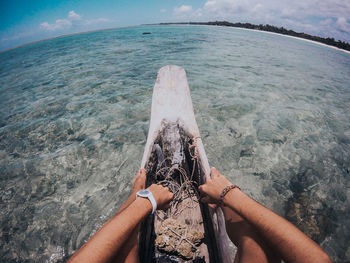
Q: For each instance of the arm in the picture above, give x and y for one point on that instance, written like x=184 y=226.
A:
x=292 y=244
x=105 y=244
x=128 y=252
x=138 y=184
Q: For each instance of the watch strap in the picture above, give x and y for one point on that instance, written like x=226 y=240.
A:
x=153 y=202
x=150 y=197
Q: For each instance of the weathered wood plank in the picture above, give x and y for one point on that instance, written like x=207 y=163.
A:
x=172 y=128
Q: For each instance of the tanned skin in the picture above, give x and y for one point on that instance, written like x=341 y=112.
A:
x=106 y=244
x=129 y=250
x=265 y=235
x=260 y=235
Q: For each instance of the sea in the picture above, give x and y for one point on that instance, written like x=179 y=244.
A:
x=273 y=112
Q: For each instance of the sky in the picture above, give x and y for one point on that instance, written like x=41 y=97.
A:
x=23 y=21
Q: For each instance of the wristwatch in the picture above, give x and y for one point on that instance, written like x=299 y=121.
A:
x=148 y=194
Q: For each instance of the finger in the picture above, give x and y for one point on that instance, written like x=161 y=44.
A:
x=140 y=178
x=213 y=206
x=201 y=188
x=214 y=173
x=166 y=206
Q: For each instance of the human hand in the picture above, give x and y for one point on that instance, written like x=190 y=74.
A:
x=139 y=181
x=162 y=195
x=213 y=187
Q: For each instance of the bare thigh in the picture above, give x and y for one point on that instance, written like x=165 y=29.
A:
x=251 y=247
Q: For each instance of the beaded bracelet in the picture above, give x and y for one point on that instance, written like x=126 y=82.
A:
x=226 y=190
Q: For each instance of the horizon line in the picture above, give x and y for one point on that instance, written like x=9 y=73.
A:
x=165 y=23
x=61 y=36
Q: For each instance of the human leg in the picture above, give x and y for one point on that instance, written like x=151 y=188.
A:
x=250 y=245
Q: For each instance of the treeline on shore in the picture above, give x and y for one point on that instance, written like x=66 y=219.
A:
x=269 y=28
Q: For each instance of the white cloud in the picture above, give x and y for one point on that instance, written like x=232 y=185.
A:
x=73 y=19
x=162 y=10
x=182 y=9
x=258 y=7
x=17 y=36
x=326 y=22
x=224 y=8
x=60 y=24
x=197 y=13
x=73 y=16
x=298 y=9
x=311 y=16
x=95 y=21
x=343 y=25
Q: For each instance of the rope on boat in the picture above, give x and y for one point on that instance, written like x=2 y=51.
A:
x=186 y=186
x=194 y=156
x=182 y=188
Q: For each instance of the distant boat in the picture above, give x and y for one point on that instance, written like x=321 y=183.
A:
x=174 y=156
x=146 y=33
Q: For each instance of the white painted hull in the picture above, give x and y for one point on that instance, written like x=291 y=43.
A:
x=171 y=102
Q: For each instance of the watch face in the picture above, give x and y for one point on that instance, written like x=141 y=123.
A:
x=143 y=192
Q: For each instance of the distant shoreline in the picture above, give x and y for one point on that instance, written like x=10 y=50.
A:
x=217 y=23
x=299 y=38
x=326 y=42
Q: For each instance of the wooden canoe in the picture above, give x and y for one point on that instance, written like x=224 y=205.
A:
x=174 y=156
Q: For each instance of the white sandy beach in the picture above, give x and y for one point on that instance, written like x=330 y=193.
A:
x=303 y=39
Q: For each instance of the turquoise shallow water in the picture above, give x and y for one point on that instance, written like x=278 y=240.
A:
x=274 y=115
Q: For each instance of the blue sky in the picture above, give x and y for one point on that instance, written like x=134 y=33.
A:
x=25 y=21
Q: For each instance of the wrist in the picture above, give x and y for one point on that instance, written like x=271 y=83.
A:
x=147 y=194
x=225 y=191
x=231 y=196
x=143 y=204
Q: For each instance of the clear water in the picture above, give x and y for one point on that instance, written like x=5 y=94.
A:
x=274 y=114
